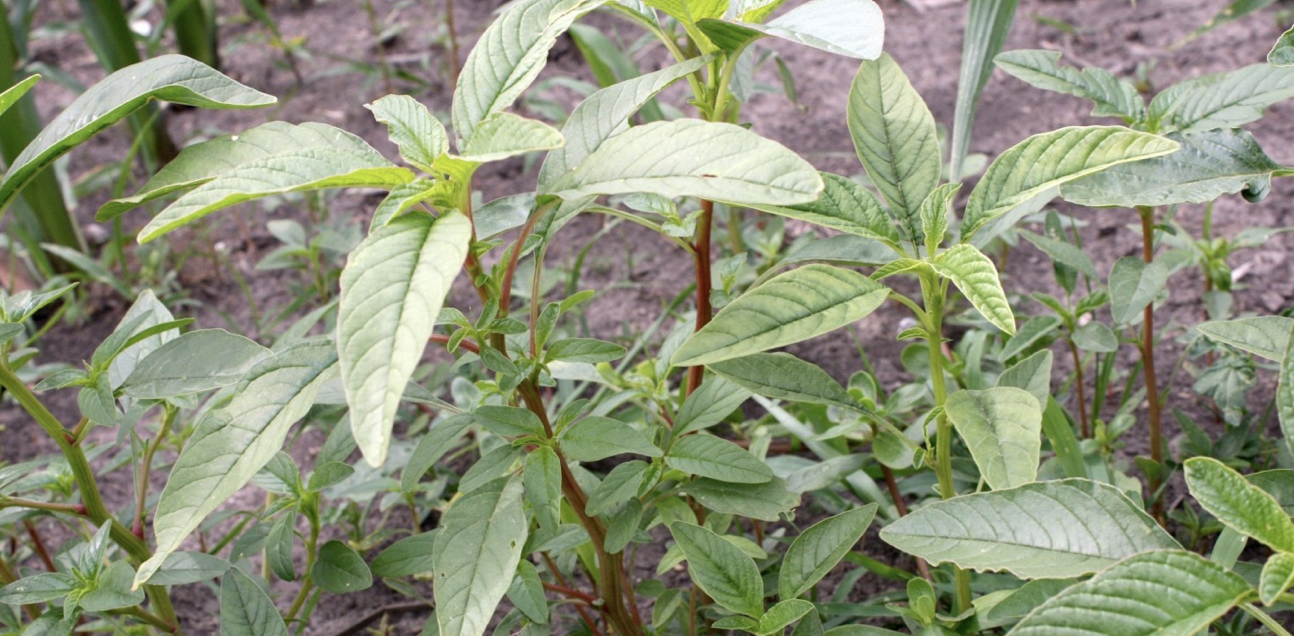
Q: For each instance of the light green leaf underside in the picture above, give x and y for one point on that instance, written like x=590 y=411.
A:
x=1164 y=593
x=11 y=95
x=1048 y=160
x=416 y=132
x=197 y=361
x=728 y=575
x=508 y=57
x=1112 y=96
x=202 y=162
x=604 y=114
x=819 y=548
x=235 y=441
x=977 y=279
x=1246 y=508
x=1209 y=165
x=852 y=28
x=1133 y=286
x=296 y=171
x=505 y=135
x=705 y=455
x=1221 y=100
x=688 y=157
x=844 y=205
x=1265 y=336
x=789 y=308
x=896 y=139
x=475 y=557
x=1002 y=427
x=392 y=289
x=1055 y=529
x=173 y=78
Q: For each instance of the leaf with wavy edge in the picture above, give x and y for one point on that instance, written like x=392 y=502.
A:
x=1162 y=593
x=1112 y=96
x=416 y=132
x=791 y=307
x=1002 y=427
x=1238 y=504
x=392 y=289
x=976 y=277
x=172 y=78
x=235 y=441
x=1045 y=530
x=1051 y=159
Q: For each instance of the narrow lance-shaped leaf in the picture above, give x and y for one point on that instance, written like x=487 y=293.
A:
x=1239 y=504
x=1157 y=593
x=1002 y=426
x=852 y=28
x=475 y=556
x=11 y=95
x=1285 y=395
x=1048 y=160
x=1210 y=164
x=819 y=548
x=173 y=78
x=1112 y=96
x=235 y=441
x=1221 y=100
x=1045 y=530
x=688 y=157
x=392 y=289
x=728 y=575
x=896 y=139
x=976 y=277
x=791 y=307
x=419 y=135
x=988 y=22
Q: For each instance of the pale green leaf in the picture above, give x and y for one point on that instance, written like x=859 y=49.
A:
x=1277 y=577
x=150 y=313
x=509 y=421
x=705 y=455
x=719 y=568
x=785 y=377
x=1048 y=160
x=1230 y=497
x=475 y=557
x=504 y=135
x=340 y=570
x=595 y=437
x=409 y=556
x=852 y=28
x=1032 y=374
x=767 y=501
x=709 y=404
x=798 y=305
x=620 y=485
x=403 y=198
x=432 y=445
x=844 y=205
x=1265 y=336
x=194 y=362
x=1161 y=593
x=1281 y=55
x=1064 y=252
x=416 y=132
x=38 y=588
x=1221 y=100
x=235 y=441
x=819 y=548
x=245 y=608
x=1285 y=395
x=976 y=277
x=1134 y=284
x=988 y=22
x=392 y=289
x=527 y=593
x=780 y=616
x=11 y=95
x=542 y=478
x=1112 y=96
x=172 y=78
x=1053 y=529
x=895 y=137
x=1002 y=427
x=689 y=157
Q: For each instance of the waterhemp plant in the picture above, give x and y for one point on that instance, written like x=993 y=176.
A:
x=573 y=466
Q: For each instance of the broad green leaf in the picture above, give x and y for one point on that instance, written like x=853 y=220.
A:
x=688 y=157
x=205 y=161
x=605 y=113
x=475 y=557
x=150 y=313
x=183 y=568
x=595 y=437
x=844 y=205
x=416 y=132
x=409 y=556
x=504 y=135
x=767 y=501
x=1281 y=55
x=1002 y=427
x=11 y=95
x=392 y=289
x=38 y=588
x=1045 y=530
x=713 y=401
x=584 y=350
x=507 y=58
x=293 y=171
x=705 y=455
x=977 y=279
x=819 y=548
x=852 y=28
x=1265 y=336
x=1239 y=504
x=895 y=138
x=1032 y=374
x=1064 y=252
x=689 y=13
x=785 y=377
x=245 y=608
x=432 y=445
x=1285 y=396
x=527 y=593
x=721 y=569
x=1134 y=284
x=1161 y=593
x=1221 y=100
x=1277 y=577
x=194 y=362
x=798 y=305
x=509 y=421
x=988 y=22
x=234 y=442
x=542 y=478
x=1097 y=337
x=172 y=78
x=113 y=590
x=1112 y=96
x=1208 y=165
x=1048 y=160
x=619 y=486
x=340 y=570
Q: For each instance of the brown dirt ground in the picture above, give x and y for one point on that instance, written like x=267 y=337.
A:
x=1115 y=34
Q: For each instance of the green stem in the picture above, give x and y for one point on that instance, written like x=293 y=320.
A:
x=75 y=509
x=307 y=585
x=145 y=469
x=1265 y=618
x=878 y=568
